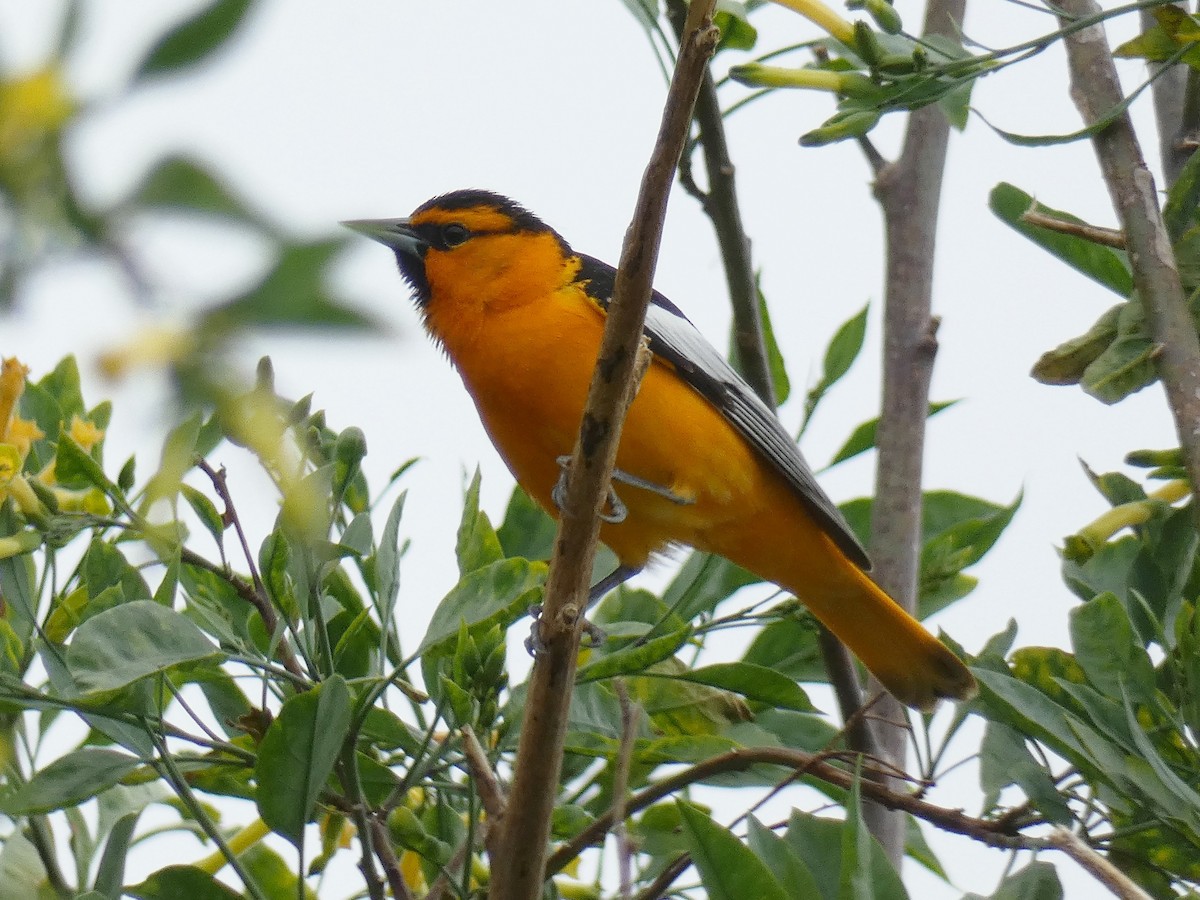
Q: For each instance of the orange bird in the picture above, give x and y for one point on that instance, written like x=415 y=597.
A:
x=702 y=460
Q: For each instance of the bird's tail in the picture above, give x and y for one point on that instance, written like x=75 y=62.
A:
x=911 y=663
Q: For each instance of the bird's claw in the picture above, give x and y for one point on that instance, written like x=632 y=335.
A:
x=535 y=646
x=620 y=512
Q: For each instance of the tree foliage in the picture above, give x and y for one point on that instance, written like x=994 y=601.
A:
x=261 y=691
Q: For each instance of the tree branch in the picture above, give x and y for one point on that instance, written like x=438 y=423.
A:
x=517 y=873
x=909 y=192
x=991 y=832
x=1096 y=90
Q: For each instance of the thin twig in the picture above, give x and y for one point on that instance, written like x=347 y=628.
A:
x=255 y=594
x=487 y=785
x=666 y=877
x=1096 y=88
x=517 y=873
x=1106 y=237
x=625 y=851
x=1120 y=884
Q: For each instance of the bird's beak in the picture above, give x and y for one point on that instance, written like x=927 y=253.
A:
x=398 y=234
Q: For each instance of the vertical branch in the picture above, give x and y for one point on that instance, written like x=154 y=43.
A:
x=1176 y=96
x=909 y=191
x=1096 y=89
x=518 y=872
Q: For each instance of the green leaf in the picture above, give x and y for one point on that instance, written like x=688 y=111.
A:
x=22 y=871
x=205 y=511
x=1037 y=881
x=789 y=870
x=193 y=40
x=1004 y=759
x=132 y=641
x=274 y=876
x=298 y=753
x=755 y=683
x=780 y=383
x=728 y=868
x=1108 y=650
x=502 y=591
x=69 y=781
x=175 y=882
x=1104 y=265
x=843 y=349
x=790 y=647
x=179 y=184
x=703 y=582
x=635 y=658
x=293 y=293
x=477 y=545
x=110 y=876
x=736 y=31
x=862 y=438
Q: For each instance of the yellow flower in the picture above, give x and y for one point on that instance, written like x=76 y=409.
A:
x=85 y=433
x=22 y=433
x=31 y=108
x=152 y=347
x=12 y=385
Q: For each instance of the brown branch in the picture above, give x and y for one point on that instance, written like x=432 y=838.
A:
x=1106 y=237
x=517 y=873
x=1097 y=90
x=487 y=786
x=1117 y=882
x=382 y=844
x=909 y=193
x=986 y=831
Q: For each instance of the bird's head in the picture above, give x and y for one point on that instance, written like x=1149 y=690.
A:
x=472 y=243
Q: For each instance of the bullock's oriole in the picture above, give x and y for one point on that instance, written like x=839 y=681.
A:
x=702 y=461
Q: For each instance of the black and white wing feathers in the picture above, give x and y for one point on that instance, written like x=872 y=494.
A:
x=676 y=340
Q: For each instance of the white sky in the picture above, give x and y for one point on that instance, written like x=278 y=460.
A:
x=322 y=111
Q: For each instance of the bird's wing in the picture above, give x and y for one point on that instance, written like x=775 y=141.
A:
x=675 y=339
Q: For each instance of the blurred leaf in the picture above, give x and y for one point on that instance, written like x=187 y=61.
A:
x=1105 y=265
x=194 y=39
x=69 y=781
x=292 y=294
x=179 y=184
x=298 y=753
x=728 y=868
x=175 y=882
x=131 y=641
x=818 y=841
x=863 y=437
x=1183 y=197
x=843 y=349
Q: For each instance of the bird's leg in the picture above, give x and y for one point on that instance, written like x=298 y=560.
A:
x=596 y=635
x=619 y=511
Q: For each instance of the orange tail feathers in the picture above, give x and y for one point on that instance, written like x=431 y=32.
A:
x=911 y=663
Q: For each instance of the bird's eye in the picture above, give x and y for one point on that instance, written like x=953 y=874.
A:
x=455 y=234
